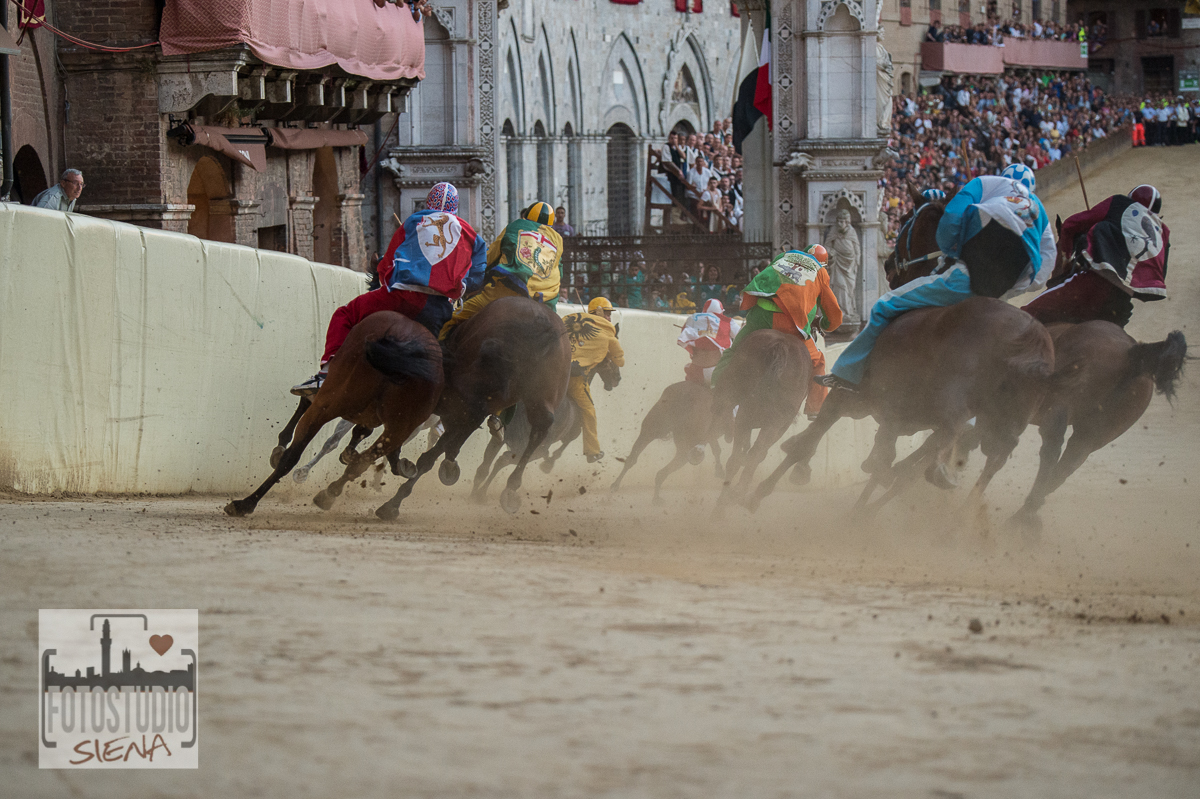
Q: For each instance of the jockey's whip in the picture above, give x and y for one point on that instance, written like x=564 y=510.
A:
x=398 y=222
x=1079 y=171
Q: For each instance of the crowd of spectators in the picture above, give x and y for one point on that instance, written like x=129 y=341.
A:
x=654 y=286
x=704 y=174
x=995 y=32
x=974 y=126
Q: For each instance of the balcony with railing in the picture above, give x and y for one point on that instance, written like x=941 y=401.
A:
x=988 y=59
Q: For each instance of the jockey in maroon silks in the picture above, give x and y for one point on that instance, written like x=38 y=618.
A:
x=1112 y=253
x=434 y=257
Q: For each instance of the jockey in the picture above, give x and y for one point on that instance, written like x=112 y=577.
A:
x=523 y=262
x=593 y=338
x=998 y=230
x=705 y=336
x=787 y=296
x=1111 y=253
x=433 y=258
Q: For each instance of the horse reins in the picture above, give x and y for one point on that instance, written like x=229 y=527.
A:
x=906 y=232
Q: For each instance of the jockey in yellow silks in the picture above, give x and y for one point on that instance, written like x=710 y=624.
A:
x=593 y=338
x=523 y=262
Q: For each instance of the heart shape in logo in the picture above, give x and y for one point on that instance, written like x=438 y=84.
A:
x=161 y=643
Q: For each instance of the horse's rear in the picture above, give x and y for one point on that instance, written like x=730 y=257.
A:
x=1103 y=383
x=766 y=380
x=514 y=350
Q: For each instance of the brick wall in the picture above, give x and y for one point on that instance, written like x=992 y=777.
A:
x=113 y=22
x=37 y=101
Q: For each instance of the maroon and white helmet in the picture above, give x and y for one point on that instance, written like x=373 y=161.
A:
x=1147 y=196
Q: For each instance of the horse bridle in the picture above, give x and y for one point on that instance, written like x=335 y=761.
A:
x=906 y=232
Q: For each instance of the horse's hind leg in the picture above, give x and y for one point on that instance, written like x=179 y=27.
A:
x=681 y=457
x=799 y=450
x=643 y=441
x=767 y=436
x=391 y=509
x=1053 y=431
x=331 y=443
x=507 y=459
x=285 y=435
x=306 y=430
x=907 y=470
x=359 y=463
x=351 y=450
x=540 y=419
x=495 y=442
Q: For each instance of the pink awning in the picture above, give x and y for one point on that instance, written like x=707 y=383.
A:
x=357 y=35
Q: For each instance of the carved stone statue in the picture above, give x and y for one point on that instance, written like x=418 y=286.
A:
x=883 y=88
x=845 y=255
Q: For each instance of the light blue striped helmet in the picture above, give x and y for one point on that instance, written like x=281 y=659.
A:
x=1021 y=174
x=933 y=194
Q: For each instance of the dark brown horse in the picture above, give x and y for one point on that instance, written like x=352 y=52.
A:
x=389 y=373
x=935 y=369
x=683 y=413
x=1103 y=379
x=514 y=350
x=766 y=381
x=567 y=426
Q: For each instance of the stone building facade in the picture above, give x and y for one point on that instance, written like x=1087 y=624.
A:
x=118 y=116
x=1150 y=45
x=583 y=88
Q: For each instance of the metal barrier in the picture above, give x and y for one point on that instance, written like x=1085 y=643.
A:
x=629 y=269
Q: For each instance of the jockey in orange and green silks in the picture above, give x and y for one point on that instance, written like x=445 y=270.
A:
x=522 y=262
x=787 y=296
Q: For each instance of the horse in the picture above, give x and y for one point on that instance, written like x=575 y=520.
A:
x=515 y=350
x=935 y=369
x=766 y=380
x=567 y=426
x=389 y=372
x=1103 y=380
x=683 y=413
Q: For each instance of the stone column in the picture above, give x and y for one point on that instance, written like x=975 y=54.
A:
x=349 y=249
x=235 y=220
x=300 y=225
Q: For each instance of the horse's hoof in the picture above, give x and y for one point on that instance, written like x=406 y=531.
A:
x=323 y=500
x=1029 y=524
x=658 y=501
x=347 y=456
x=510 y=501
x=388 y=513
x=938 y=475
x=615 y=487
x=696 y=455
x=546 y=466
x=240 y=507
x=301 y=474
x=801 y=474
x=449 y=472
x=276 y=456
x=405 y=468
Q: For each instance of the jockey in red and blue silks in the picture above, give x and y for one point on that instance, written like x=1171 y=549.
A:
x=434 y=258
x=998 y=243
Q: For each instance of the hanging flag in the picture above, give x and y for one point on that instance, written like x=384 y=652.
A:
x=762 y=90
x=745 y=115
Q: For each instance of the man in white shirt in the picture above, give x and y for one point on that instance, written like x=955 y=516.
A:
x=699 y=174
x=1163 y=115
x=62 y=195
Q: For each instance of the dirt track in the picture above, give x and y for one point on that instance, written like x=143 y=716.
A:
x=605 y=646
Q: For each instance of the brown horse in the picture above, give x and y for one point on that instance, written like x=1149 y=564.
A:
x=1103 y=379
x=514 y=350
x=567 y=426
x=389 y=372
x=683 y=413
x=766 y=380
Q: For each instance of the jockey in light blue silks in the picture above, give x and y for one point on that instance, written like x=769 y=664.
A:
x=1000 y=235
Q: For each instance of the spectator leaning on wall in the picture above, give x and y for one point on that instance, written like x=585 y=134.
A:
x=62 y=195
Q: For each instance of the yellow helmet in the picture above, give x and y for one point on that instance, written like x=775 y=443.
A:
x=599 y=304
x=542 y=213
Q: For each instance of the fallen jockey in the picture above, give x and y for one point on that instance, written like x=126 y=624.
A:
x=434 y=257
x=787 y=296
x=998 y=243
x=1111 y=254
x=523 y=262
x=705 y=335
x=593 y=338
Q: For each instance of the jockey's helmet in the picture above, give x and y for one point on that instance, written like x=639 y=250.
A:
x=542 y=213
x=442 y=197
x=933 y=194
x=1021 y=174
x=713 y=305
x=600 y=304
x=1147 y=196
x=818 y=252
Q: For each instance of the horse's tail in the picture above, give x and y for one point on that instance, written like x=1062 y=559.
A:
x=777 y=360
x=402 y=359
x=1161 y=360
x=1028 y=361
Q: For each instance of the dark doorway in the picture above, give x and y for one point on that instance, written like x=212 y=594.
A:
x=622 y=180
x=1158 y=73
x=29 y=177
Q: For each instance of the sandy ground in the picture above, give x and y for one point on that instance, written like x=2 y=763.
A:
x=604 y=646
